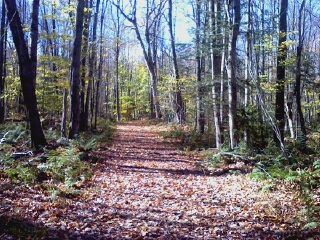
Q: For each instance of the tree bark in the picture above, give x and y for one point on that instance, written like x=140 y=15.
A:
x=215 y=68
x=117 y=65
x=246 y=71
x=281 y=73
x=200 y=118
x=2 y=61
x=27 y=67
x=75 y=73
x=100 y=68
x=178 y=95
x=298 y=71
x=64 y=113
x=234 y=24
x=92 y=65
x=83 y=111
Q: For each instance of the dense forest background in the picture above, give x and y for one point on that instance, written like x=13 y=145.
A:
x=248 y=70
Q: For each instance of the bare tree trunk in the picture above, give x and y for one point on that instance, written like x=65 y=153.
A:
x=75 y=73
x=117 y=65
x=83 y=107
x=200 y=118
x=246 y=71
x=178 y=95
x=298 y=71
x=215 y=68
x=100 y=68
x=234 y=24
x=92 y=65
x=281 y=72
x=2 y=61
x=27 y=67
x=64 y=113
x=222 y=76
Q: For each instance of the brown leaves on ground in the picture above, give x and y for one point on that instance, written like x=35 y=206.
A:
x=146 y=189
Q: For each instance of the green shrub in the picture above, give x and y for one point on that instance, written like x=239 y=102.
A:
x=64 y=166
x=212 y=158
x=190 y=138
x=249 y=119
x=22 y=173
x=303 y=181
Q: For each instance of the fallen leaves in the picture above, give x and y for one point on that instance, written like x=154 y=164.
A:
x=146 y=189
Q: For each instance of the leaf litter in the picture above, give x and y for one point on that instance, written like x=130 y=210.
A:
x=146 y=189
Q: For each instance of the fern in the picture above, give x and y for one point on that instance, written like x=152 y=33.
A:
x=311 y=225
x=64 y=166
x=258 y=173
x=23 y=174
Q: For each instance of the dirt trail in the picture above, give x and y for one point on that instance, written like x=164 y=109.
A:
x=149 y=189
x=146 y=189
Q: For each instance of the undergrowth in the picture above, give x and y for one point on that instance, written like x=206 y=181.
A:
x=62 y=170
x=189 y=138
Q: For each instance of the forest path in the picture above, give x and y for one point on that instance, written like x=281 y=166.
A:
x=144 y=188
x=148 y=189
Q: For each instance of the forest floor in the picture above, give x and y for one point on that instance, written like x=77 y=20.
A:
x=145 y=188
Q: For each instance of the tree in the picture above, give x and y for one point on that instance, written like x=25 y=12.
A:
x=27 y=67
x=84 y=106
x=179 y=108
x=298 y=69
x=233 y=16
x=117 y=25
x=200 y=118
x=75 y=73
x=149 y=43
x=281 y=72
x=2 y=60
x=100 y=66
x=215 y=66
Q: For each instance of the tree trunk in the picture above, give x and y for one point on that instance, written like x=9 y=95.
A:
x=288 y=111
x=200 y=118
x=222 y=76
x=100 y=68
x=117 y=65
x=246 y=71
x=234 y=24
x=179 y=109
x=64 y=113
x=298 y=72
x=27 y=67
x=75 y=73
x=2 y=61
x=83 y=113
x=281 y=73
x=215 y=68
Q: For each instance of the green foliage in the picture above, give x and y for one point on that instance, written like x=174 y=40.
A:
x=64 y=166
x=127 y=107
x=85 y=144
x=12 y=133
x=176 y=132
x=61 y=171
x=22 y=173
x=212 y=158
x=52 y=82
x=190 y=138
x=249 y=119
x=303 y=181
